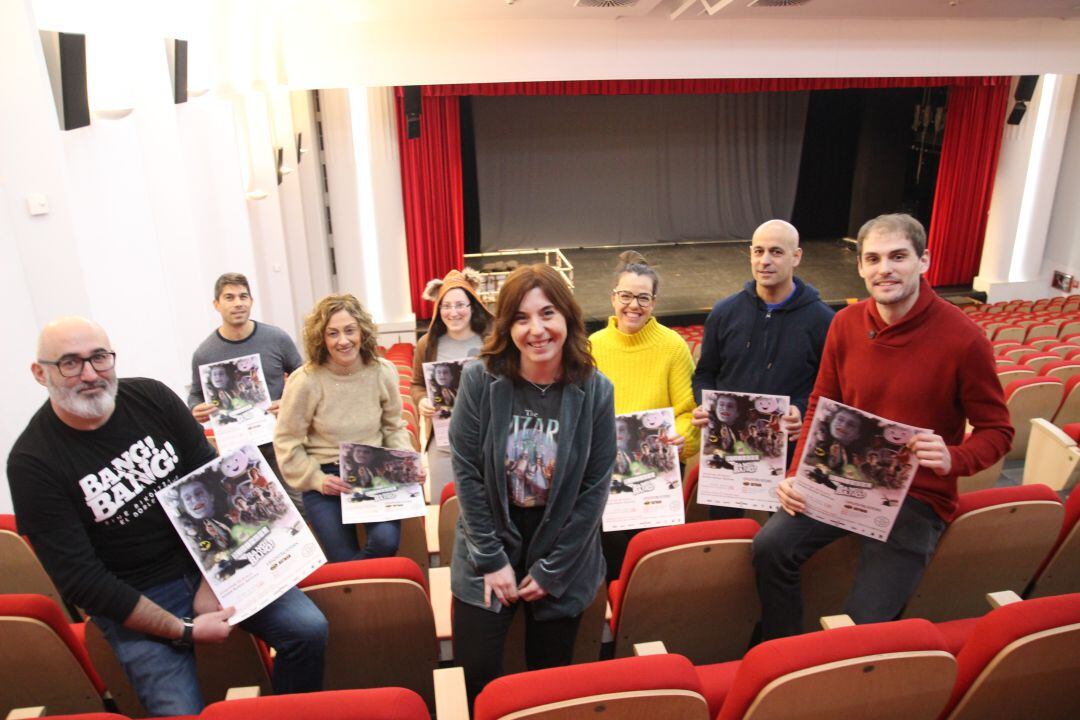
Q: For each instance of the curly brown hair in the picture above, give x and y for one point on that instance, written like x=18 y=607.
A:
x=501 y=355
x=315 y=328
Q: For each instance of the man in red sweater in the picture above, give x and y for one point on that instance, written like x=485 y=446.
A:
x=907 y=355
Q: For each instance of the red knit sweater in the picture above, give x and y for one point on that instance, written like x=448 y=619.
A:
x=933 y=369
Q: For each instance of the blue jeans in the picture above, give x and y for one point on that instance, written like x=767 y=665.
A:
x=885 y=577
x=164 y=677
x=323 y=513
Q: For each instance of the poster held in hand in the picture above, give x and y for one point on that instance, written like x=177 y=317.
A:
x=385 y=484
x=442 y=380
x=237 y=388
x=244 y=533
x=646 y=489
x=743 y=450
x=856 y=469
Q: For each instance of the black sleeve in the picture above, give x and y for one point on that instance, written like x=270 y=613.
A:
x=193 y=448
x=708 y=365
x=46 y=514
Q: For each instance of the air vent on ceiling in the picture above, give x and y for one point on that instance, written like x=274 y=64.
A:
x=777 y=3
x=605 y=3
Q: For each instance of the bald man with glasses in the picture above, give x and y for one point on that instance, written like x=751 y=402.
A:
x=83 y=478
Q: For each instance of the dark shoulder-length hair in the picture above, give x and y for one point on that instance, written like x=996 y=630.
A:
x=479 y=322
x=315 y=328
x=501 y=355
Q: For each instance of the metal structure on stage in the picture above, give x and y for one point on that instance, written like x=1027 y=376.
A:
x=495 y=266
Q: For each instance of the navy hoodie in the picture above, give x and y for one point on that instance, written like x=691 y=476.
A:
x=748 y=348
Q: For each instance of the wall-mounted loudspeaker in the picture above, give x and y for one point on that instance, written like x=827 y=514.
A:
x=412 y=111
x=65 y=58
x=1025 y=90
x=176 y=50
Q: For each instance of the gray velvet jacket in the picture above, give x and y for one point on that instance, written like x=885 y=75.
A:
x=565 y=556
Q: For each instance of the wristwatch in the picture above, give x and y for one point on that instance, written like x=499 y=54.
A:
x=184 y=642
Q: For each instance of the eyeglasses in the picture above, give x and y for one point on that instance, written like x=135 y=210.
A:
x=72 y=365
x=644 y=300
x=458 y=306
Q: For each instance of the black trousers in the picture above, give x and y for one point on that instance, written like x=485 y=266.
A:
x=480 y=635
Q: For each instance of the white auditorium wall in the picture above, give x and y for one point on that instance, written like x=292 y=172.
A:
x=1063 y=239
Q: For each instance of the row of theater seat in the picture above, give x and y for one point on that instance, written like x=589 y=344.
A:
x=1019 y=660
x=401 y=355
x=689 y=586
x=1061 y=303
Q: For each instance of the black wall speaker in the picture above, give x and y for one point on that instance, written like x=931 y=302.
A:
x=1025 y=87
x=412 y=111
x=177 y=50
x=1025 y=90
x=65 y=58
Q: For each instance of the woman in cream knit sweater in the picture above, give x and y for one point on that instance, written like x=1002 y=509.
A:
x=344 y=393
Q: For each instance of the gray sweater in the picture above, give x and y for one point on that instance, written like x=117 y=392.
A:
x=275 y=348
x=564 y=556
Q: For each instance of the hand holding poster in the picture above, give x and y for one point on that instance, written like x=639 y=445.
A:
x=442 y=380
x=385 y=482
x=743 y=450
x=244 y=533
x=856 y=469
x=237 y=388
x=646 y=490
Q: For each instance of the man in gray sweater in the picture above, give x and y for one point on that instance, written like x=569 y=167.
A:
x=237 y=336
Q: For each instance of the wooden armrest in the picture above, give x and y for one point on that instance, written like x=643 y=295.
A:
x=431 y=529
x=243 y=693
x=607 y=612
x=831 y=622
x=451 y=702
x=655 y=647
x=25 y=713
x=441 y=599
x=1002 y=597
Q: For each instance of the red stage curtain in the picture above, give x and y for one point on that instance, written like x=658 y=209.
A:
x=431 y=190
x=431 y=165
x=969 y=157
x=702 y=86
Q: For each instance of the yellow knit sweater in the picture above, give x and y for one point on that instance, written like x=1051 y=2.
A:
x=650 y=369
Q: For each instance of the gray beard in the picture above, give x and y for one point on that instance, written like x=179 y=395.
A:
x=96 y=406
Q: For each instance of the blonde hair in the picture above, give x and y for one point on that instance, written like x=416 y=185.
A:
x=315 y=328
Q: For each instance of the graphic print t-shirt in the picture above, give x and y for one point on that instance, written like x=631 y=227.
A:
x=86 y=498
x=532 y=443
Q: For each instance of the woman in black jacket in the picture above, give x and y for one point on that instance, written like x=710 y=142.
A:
x=533 y=442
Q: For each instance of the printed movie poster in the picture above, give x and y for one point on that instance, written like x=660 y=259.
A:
x=442 y=380
x=646 y=489
x=243 y=531
x=237 y=388
x=743 y=450
x=386 y=484
x=856 y=469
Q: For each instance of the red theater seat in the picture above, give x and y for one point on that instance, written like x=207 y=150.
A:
x=1037 y=359
x=20 y=570
x=1060 y=572
x=996 y=541
x=382 y=606
x=1020 y=660
x=653 y=686
x=1029 y=398
x=449 y=509
x=1061 y=369
x=898 y=670
x=386 y=703
x=689 y=586
x=42 y=660
x=1068 y=412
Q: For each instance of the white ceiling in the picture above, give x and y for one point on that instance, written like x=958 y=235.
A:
x=681 y=10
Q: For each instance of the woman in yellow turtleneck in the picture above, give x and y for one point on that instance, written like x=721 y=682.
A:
x=649 y=364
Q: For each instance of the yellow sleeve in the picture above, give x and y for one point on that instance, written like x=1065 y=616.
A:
x=681 y=392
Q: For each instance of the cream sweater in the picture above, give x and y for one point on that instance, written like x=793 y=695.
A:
x=322 y=406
